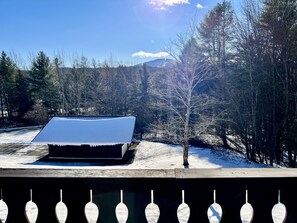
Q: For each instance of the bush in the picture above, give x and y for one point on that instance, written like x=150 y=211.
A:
x=38 y=115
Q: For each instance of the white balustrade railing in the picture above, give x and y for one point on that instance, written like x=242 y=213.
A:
x=3 y=209
x=246 y=211
x=152 y=211
x=91 y=210
x=61 y=210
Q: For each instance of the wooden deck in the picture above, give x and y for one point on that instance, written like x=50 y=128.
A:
x=17 y=155
x=97 y=172
x=19 y=149
x=198 y=185
x=23 y=171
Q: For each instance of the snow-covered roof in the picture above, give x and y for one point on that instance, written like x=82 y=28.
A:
x=87 y=130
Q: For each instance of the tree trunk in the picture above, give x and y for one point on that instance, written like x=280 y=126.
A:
x=187 y=130
x=186 y=154
x=2 y=108
x=223 y=136
x=290 y=157
x=295 y=158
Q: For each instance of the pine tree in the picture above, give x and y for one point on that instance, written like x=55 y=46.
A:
x=43 y=83
x=215 y=35
x=22 y=97
x=7 y=85
x=278 y=21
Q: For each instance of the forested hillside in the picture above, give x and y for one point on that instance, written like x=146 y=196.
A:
x=231 y=75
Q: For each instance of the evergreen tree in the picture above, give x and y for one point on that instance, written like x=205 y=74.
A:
x=23 y=102
x=278 y=22
x=141 y=97
x=264 y=107
x=244 y=82
x=7 y=85
x=43 y=84
x=215 y=35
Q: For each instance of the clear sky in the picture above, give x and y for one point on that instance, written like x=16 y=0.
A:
x=129 y=31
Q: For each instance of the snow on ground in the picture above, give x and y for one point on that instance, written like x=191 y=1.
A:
x=149 y=155
x=159 y=155
x=21 y=135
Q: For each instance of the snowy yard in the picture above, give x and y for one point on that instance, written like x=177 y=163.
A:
x=159 y=155
x=149 y=155
x=18 y=136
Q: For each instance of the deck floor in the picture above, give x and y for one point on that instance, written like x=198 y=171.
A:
x=37 y=151
x=14 y=155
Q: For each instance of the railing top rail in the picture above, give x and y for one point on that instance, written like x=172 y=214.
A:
x=151 y=173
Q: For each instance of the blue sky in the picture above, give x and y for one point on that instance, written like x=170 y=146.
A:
x=129 y=31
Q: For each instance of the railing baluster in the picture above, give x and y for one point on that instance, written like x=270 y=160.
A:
x=91 y=210
x=214 y=212
x=121 y=211
x=246 y=211
x=61 y=210
x=152 y=211
x=3 y=209
x=279 y=211
x=31 y=210
x=183 y=210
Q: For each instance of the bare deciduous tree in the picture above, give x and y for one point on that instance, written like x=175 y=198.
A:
x=182 y=97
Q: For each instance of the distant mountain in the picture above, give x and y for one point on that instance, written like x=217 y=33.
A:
x=158 y=63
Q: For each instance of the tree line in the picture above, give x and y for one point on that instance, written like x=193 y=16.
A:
x=233 y=76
